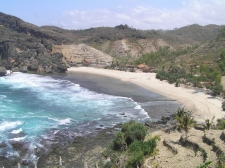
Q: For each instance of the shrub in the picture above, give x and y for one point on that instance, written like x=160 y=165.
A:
x=133 y=131
x=217 y=89
x=221 y=123
x=129 y=149
x=223 y=106
x=208 y=124
x=119 y=142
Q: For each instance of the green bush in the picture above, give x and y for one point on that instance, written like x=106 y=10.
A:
x=119 y=142
x=138 y=149
x=223 y=106
x=133 y=131
x=217 y=89
x=220 y=124
x=129 y=149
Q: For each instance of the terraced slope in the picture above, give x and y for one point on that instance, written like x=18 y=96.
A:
x=175 y=150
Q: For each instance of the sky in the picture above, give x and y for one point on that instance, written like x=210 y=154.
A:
x=139 y=14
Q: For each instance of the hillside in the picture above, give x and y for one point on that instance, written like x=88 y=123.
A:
x=34 y=48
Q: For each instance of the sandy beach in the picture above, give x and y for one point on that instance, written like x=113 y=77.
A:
x=202 y=105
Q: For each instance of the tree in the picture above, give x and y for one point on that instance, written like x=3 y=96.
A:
x=185 y=120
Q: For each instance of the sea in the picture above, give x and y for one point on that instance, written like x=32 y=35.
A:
x=38 y=112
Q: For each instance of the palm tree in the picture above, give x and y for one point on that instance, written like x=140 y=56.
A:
x=208 y=124
x=185 y=120
x=187 y=123
x=179 y=114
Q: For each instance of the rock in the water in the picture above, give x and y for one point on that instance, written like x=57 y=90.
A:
x=23 y=69
x=62 y=68
x=2 y=145
x=25 y=162
x=16 y=69
x=2 y=71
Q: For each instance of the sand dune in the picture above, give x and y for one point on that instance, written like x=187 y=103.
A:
x=202 y=105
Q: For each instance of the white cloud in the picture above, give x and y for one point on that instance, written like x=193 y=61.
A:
x=202 y=12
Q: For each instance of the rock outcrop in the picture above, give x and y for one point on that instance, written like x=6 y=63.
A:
x=2 y=71
x=23 y=69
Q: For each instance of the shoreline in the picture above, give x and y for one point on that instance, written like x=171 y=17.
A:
x=154 y=104
x=203 y=106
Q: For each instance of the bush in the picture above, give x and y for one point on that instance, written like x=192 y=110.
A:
x=223 y=106
x=217 y=89
x=133 y=131
x=129 y=149
x=220 y=124
x=119 y=142
x=138 y=149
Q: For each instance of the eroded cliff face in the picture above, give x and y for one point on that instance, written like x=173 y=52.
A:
x=133 y=49
x=82 y=54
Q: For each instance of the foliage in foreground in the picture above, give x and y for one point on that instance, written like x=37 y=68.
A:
x=129 y=149
x=205 y=165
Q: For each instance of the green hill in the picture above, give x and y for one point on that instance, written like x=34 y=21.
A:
x=25 y=45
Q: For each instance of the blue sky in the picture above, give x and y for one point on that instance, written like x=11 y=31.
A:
x=141 y=14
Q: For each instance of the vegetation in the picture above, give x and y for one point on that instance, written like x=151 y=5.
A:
x=221 y=161
x=129 y=149
x=205 y=165
x=185 y=120
x=223 y=106
x=208 y=77
x=221 y=124
x=208 y=124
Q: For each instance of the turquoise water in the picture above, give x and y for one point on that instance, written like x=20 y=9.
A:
x=39 y=111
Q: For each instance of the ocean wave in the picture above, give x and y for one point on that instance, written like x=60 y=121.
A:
x=63 y=121
x=138 y=107
x=16 y=131
x=18 y=138
x=6 y=125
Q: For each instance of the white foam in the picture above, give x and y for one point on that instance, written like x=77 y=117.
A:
x=9 y=125
x=18 y=139
x=65 y=121
x=138 y=107
x=17 y=131
x=61 y=122
x=8 y=72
